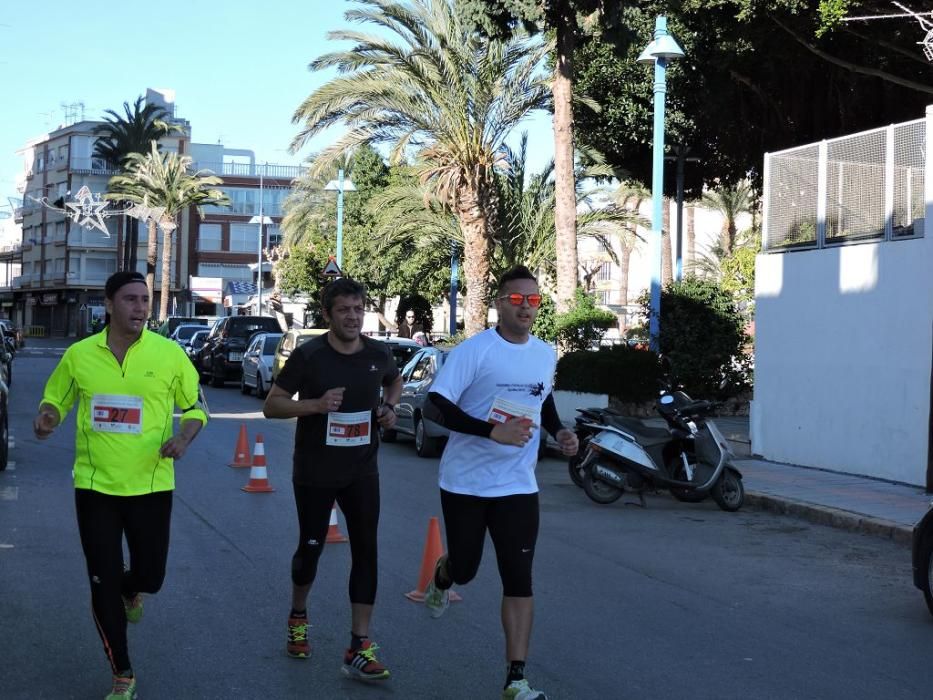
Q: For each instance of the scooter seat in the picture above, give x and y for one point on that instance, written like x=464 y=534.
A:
x=640 y=430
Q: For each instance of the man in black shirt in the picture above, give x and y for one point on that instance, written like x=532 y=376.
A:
x=338 y=377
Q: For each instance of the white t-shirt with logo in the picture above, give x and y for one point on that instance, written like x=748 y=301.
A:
x=490 y=378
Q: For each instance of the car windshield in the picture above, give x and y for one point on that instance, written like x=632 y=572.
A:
x=185 y=332
x=245 y=327
x=198 y=340
x=403 y=353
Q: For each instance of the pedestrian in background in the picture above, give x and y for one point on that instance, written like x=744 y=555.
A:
x=126 y=381
x=493 y=392
x=338 y=377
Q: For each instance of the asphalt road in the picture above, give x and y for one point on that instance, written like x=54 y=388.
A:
x=671 y=601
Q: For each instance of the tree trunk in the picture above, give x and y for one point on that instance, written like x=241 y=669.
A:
x=624 y=261
x=151 y=252
x=565 y=207
x=477 y=251
x=690 y=240
x=667 y=269
x=166 y=287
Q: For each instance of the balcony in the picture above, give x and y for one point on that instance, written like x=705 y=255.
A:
x=92 y=166
x=82 y=238
x=282 y=172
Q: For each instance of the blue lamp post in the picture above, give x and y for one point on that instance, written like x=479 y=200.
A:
x=340 y=185
x=662 y=49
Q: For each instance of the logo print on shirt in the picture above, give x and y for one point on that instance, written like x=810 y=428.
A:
x=373 y=368
x=149 y=373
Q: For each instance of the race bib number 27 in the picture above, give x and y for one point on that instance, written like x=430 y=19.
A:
x=112 y=413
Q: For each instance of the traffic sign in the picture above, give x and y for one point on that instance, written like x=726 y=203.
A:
x=331 y=269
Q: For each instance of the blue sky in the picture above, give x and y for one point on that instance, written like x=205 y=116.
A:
x=239 y=69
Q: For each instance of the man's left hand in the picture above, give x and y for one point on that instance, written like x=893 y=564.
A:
x=175 y=447
x=567 y=441
x=386 y=417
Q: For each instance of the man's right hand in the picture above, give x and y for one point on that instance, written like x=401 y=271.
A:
x=45 y=423
x=331 y=400
x=515 y=431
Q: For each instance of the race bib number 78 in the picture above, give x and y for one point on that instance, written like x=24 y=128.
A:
x=114 y=413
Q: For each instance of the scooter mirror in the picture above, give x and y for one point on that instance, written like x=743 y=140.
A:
x=667 y=399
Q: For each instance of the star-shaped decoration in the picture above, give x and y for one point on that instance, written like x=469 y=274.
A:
x=88 y=211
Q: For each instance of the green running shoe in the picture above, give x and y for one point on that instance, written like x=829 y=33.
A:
x=436 y=599
x=362 y=664
x=520 y=690
x=134 y=608
x=123 y=689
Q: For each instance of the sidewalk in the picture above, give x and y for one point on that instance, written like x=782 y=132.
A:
x=845 y=501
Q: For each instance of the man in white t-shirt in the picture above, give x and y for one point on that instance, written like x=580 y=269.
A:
x=493 y=393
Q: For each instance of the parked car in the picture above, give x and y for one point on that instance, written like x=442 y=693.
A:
x=257 y=363
x=4 y=421
x=195 y=343
x=172 y=322
x=402 y=349
x=13 y=331
x=290 y=340
x=182 y=334
x=922 y=557
x=417 y=377
x=7 y=353
x=221 y=358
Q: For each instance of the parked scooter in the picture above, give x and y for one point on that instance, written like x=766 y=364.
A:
x=585 y=428
x=690 y=457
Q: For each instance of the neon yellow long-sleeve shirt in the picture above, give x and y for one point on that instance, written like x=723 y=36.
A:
x=125 y=412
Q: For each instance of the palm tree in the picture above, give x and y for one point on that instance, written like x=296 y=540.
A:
x=629 y=197
x=165 y=184
x=730 y=202
x=120 y=137
x=428 y=82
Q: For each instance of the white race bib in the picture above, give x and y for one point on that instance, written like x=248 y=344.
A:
x=114 y=413
x=348 y=429
x=503 y=410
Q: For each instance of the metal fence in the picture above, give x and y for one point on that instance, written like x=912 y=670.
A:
x=861 y=187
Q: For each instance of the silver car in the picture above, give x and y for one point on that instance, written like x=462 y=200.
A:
x=417 y=377
x=257 y=364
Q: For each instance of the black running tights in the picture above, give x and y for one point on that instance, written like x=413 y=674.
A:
x=103 y=521
x=359 y=503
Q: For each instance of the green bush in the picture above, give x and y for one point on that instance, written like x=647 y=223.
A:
x=545 y=325
x=703 y=335
x=584 y=325
x=624 y=373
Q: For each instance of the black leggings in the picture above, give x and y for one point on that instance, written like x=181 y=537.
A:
x=103 y=521
x=512 y=522
x=359 y=503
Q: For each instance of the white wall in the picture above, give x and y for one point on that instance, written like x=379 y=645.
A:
x=843 y=352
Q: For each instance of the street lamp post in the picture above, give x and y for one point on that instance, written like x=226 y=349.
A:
x=340 y=186
x=261 y=220
x=661 y=49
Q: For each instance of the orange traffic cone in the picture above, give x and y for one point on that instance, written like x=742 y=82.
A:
x=432 y=552
x=258 y=479
x=334 y=536
x=241 y=453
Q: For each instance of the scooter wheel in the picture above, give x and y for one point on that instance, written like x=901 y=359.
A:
x=600 y=491
x=728 y=492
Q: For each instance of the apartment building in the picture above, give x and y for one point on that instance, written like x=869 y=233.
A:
x=59 y=288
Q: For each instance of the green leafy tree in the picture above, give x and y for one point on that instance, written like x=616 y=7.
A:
x=755 y=78
x=545 y=325
x=429 y=83
x=738 y=273
x=119 y=137
x=703 y=334
x=166 y=182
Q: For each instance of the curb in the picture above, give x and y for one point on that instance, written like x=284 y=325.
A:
x=832 y=517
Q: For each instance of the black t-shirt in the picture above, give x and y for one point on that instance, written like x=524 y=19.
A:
x=406 y=331
x=311 y=370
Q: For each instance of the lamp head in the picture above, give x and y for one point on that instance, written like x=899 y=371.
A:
x=663 y=45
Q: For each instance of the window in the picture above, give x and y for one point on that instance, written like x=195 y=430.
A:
x=244 y=237
x=273 y=235
x=604 y=274
x=603 y=297
x=209 y=237
x=59 y=266
x=40 y=163
x=100 y=267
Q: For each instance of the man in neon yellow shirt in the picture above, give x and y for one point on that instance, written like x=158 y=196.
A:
x=127 y=382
